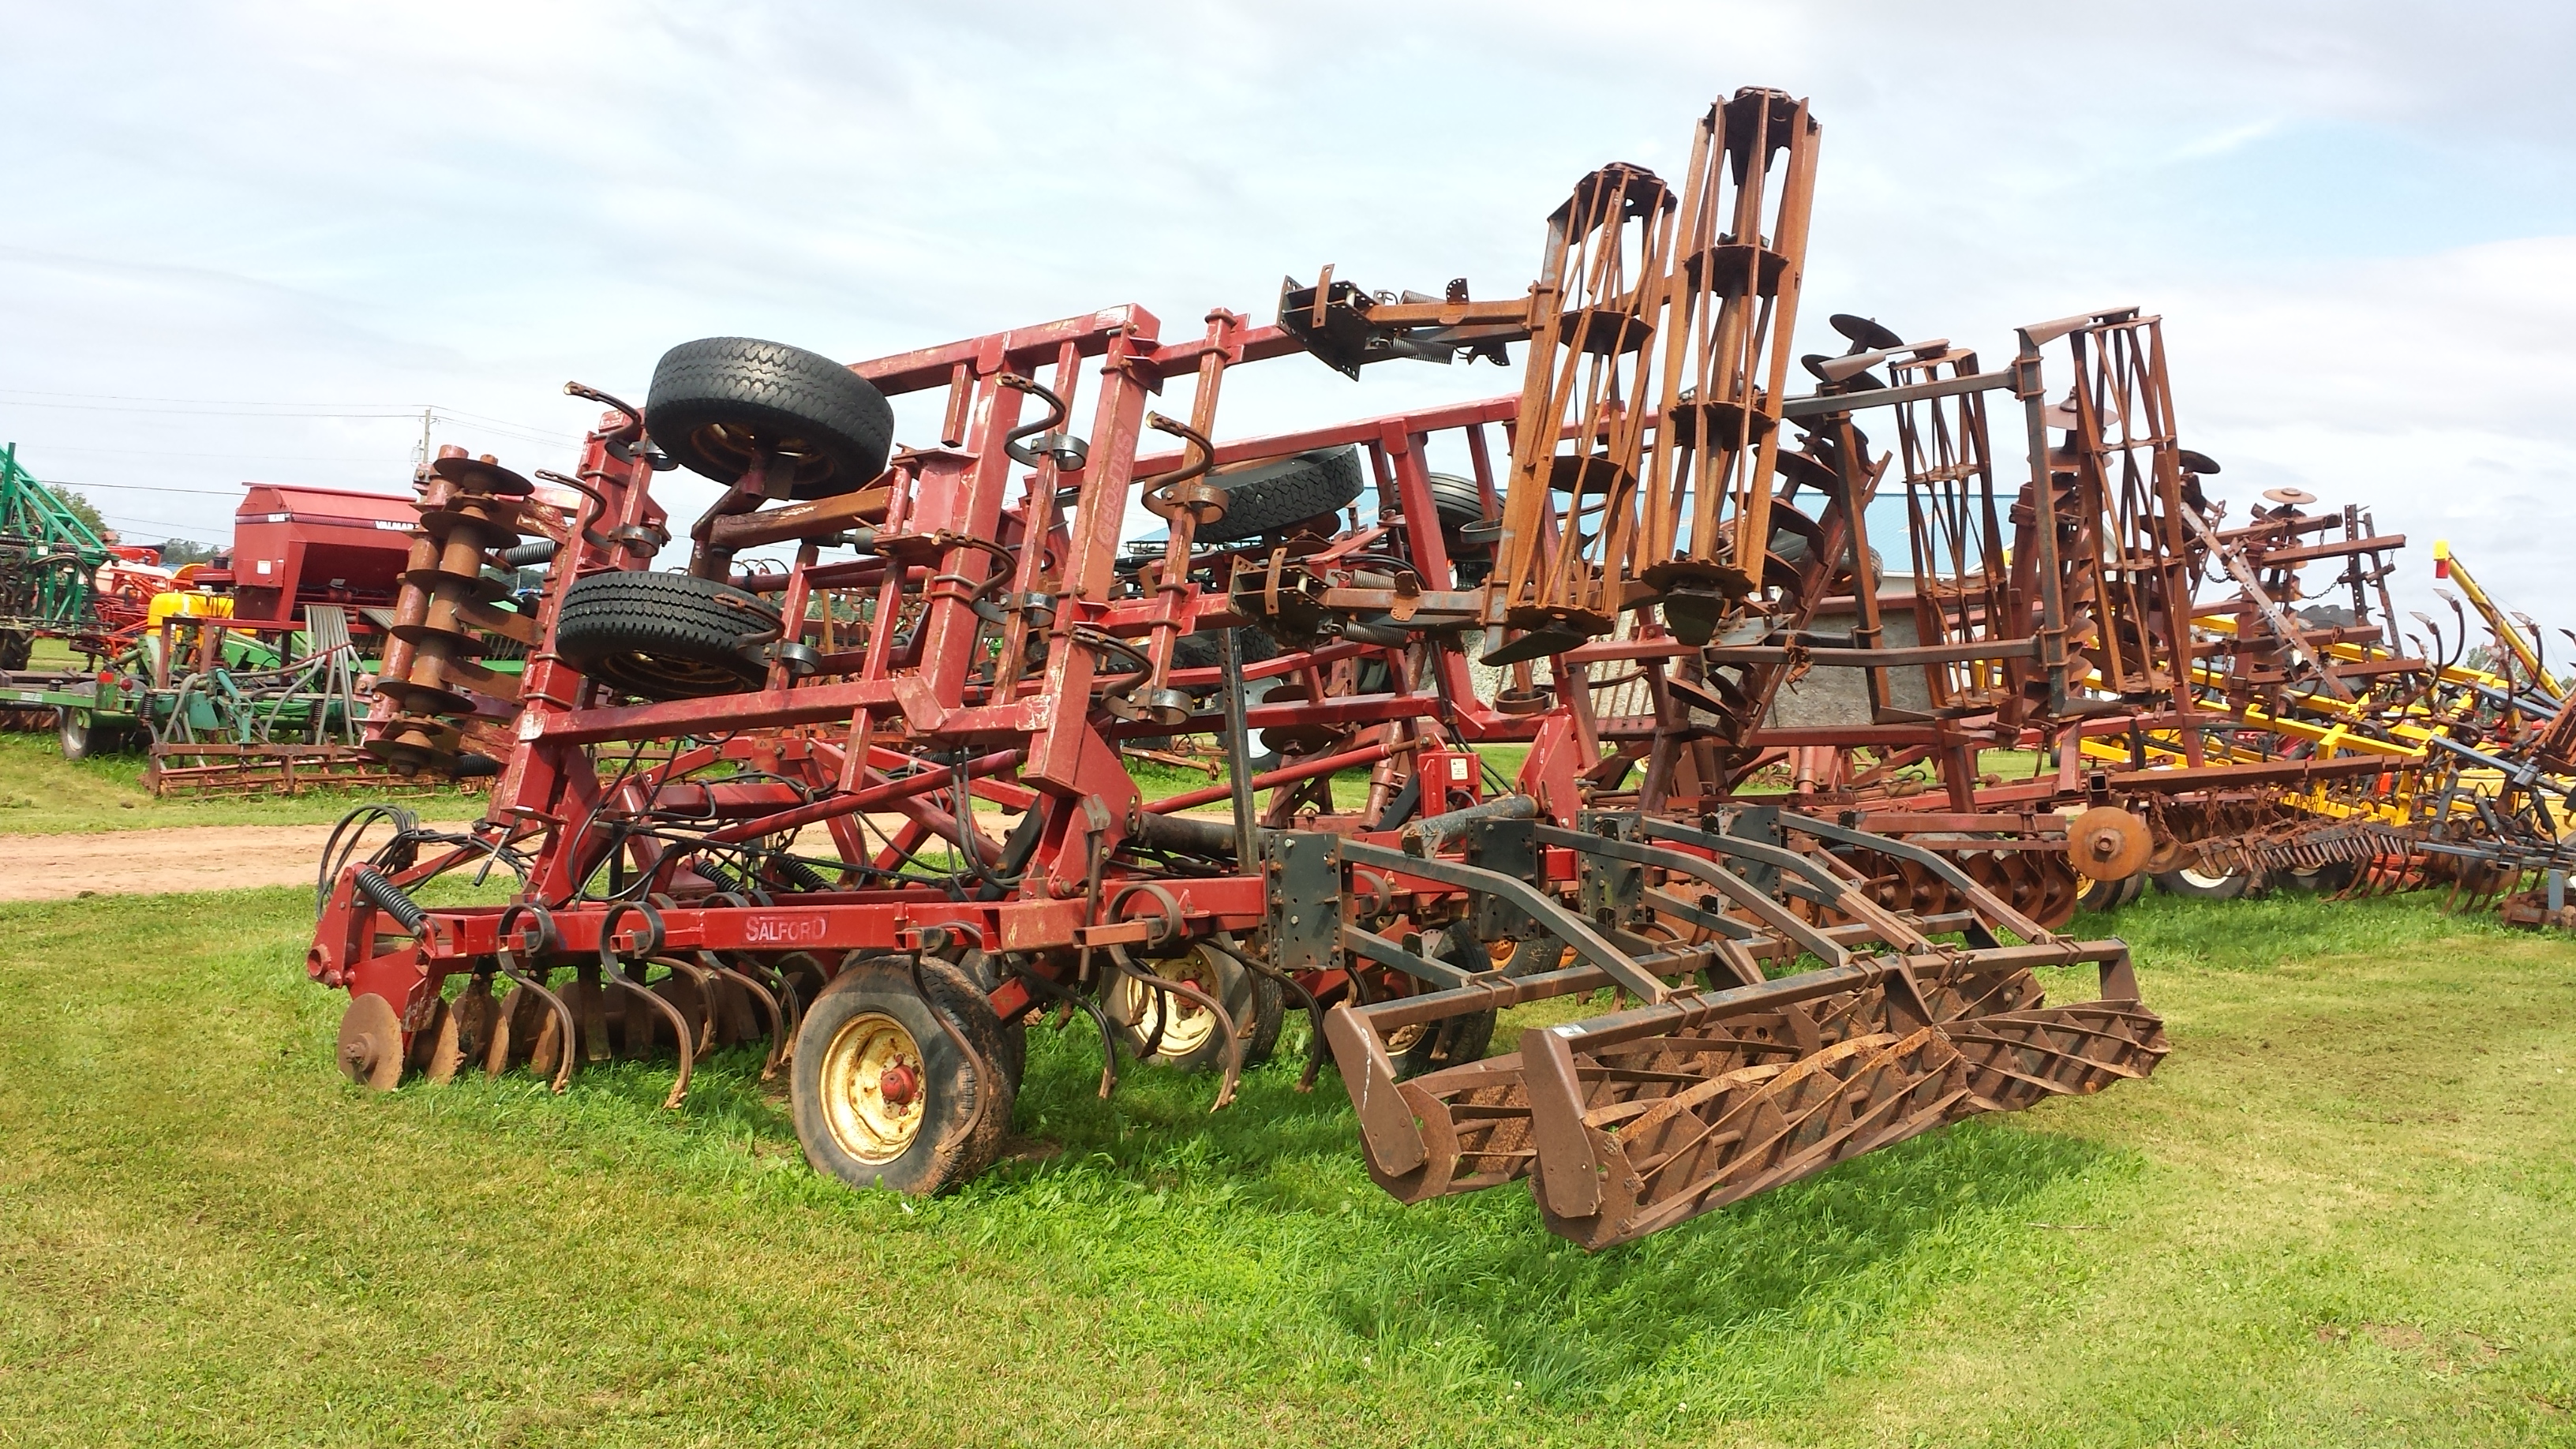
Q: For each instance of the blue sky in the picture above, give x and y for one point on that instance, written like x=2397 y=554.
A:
x=2357 y=219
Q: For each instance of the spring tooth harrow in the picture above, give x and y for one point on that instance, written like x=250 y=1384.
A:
x=1724 y=1081
x=869 y=806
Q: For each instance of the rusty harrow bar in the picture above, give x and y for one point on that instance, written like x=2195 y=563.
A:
x=1725 y=1081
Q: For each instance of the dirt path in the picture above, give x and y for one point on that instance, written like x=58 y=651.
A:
x=235 y=857
x=150 y=862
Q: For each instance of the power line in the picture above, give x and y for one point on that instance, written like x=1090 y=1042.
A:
x=207 y=401
x=125 y=521
x=220 y=412
x=502 y=422
x=142 y=488
x=170 y=453
x=471 y=431
x=363 y=412
x=363 y=407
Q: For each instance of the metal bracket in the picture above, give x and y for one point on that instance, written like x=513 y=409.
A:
x=1609 y=889
x=1503 y=846
x=1305 y=901
x=1439 y=974
x=1553 y=918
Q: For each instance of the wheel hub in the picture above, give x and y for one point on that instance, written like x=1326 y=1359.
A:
x=872 y=1087
x=1189 y=1026
x=371 y=1043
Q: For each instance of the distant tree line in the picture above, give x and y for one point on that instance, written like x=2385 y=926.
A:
x=174 y=551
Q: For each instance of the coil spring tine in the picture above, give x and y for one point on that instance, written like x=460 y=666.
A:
x=974 y=1060
x=698 y=977
x=1224 y=1019
x=790 y=1011
x=508 y=961
x=615 y=967
x=1314 y=1009
x=1071 y=1000
x=1162 y=1018
x=703 y=979
x=768 y=1003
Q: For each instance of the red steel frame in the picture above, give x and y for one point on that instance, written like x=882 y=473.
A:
x=1045 y=730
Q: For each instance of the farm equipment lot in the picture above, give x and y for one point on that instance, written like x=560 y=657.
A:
x=2338 y=1215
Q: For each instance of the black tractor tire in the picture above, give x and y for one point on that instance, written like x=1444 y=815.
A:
x=665 y=636
x=1459 y=501
x=1254 y=1001
x=837 y=1101
x=1452 y=1040
x=1449 y=1042
x=16 y=645
x=83 y=735
x=718 y=401
x=2101 y=895
x=988 y=971
x=1270 y=496
x=2191 y=884
x=1206 y=650
x=2322 y=880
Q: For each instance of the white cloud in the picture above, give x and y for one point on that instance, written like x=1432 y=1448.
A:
x=467 y=203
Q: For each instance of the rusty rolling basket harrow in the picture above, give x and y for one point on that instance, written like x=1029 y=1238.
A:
x=748 y=802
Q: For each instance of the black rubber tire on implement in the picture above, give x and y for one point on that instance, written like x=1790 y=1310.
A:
x=1269 y=496
x=2322 y=880
x=2110 y=895
x=718 y=399
x=951 y=1144
x=1206 y=649
x=2192 y=885
x=16 y=645
x=665 y=636
x=1452 y=1040
x=1459 y=501
x=1246 y=996
x=988 y=971
x=1448 y=1042
x=81 y=735
x=1273 y=1014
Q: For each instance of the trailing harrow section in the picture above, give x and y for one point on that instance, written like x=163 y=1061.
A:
x=852 y=780
x=1696 y=1098
x=251 y=673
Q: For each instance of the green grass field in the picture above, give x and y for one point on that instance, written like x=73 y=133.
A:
x=41 y=793
x=2339 y=1214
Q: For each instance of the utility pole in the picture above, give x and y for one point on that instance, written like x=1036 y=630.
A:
x=426 y=414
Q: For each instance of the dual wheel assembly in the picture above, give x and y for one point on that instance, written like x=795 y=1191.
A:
x=904 y=1078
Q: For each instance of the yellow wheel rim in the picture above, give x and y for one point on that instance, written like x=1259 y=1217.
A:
x=1192 y=1026
x=873 y=1087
